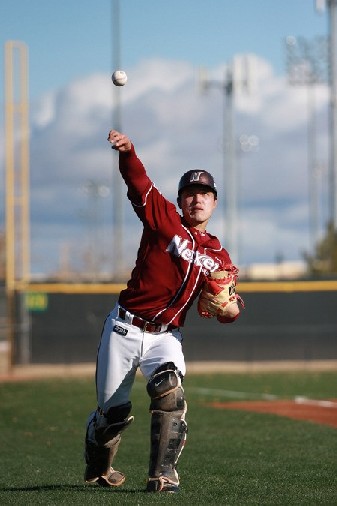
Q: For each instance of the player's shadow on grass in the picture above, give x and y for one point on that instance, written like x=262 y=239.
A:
x=84 y=488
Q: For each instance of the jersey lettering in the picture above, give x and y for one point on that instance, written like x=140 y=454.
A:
x=179 y=248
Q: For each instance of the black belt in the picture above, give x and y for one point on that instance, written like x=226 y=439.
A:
x=144 y=325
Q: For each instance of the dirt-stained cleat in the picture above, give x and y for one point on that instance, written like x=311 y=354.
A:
x=162 y=484
x=112 y=479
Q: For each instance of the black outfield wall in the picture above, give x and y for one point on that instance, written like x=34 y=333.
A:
x=277 y=325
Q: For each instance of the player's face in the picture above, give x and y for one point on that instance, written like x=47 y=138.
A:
x=197 y=204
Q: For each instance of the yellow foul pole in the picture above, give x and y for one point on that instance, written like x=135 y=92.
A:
x=17 y=175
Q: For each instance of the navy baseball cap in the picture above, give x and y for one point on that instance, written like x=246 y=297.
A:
x=197 y=176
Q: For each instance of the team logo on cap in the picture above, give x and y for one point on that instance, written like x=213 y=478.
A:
x=195 y=177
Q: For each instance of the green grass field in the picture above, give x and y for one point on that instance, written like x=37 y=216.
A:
x=231 y=457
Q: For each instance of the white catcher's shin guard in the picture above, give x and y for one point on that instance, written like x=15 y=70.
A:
x=168 y=436
x=101 y=444
x=168 y=428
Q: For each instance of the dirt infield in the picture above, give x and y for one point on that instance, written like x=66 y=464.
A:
x=316 y=411
x=35 y=371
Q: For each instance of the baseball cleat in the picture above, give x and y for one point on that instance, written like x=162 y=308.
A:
x=112 y=478
x=161 y=484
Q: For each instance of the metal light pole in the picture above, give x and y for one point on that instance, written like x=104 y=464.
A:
x=332 y=9
x=306 y=66
x=246 y=144
x=229 y=181
x=229 y=164
x=228 y=87
x=331 y=6
x=95 y=192
x=118 y=236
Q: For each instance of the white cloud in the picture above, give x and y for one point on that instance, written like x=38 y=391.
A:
x=174 y=128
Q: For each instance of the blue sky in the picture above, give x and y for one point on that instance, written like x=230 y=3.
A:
x=173 y=126
x=68 y=39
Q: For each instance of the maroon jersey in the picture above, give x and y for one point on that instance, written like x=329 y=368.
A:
x=173 y=258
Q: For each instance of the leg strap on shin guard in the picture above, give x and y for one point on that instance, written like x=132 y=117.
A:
x=168 y=428
x=112 y=424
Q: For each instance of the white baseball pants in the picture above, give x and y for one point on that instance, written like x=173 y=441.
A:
x=122 y=349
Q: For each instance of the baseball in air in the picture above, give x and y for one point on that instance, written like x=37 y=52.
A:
x=119 y=78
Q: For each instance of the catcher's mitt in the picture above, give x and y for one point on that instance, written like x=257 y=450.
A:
x=218 y=297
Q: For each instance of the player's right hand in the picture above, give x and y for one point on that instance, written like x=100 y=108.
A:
x=119 y=141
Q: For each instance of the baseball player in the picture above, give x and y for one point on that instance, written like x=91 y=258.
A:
x=177 y=261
